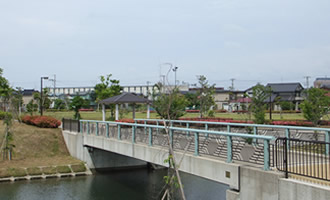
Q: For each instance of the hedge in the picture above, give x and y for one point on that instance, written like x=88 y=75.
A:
x=41 y=121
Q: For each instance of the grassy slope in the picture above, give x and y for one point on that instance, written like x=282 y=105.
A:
x=36 y=147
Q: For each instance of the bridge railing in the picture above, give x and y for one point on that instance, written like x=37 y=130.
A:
x=294 y=132
x=223 y=144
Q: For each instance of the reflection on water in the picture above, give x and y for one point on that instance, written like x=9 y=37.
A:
x=119 y=185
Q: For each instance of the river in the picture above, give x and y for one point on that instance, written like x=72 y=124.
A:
x=139 y=184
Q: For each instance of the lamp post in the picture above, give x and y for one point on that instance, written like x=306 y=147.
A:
x=175 y=69
x=41 y=101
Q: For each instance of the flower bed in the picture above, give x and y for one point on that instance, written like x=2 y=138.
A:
x=41 y=121
x=192 y=111
x=86 y=109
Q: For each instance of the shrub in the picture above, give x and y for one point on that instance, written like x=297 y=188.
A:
x=3 y=114
x=41 y=121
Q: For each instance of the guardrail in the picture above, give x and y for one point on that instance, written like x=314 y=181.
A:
x=305 y=158
x=286 y=129
x=102 y=128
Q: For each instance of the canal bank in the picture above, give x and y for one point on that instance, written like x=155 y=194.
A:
x=137 y=184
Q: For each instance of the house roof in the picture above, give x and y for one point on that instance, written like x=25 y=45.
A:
x=28 y=92
x=285 y=87
x=323 y=79
x=125 y=98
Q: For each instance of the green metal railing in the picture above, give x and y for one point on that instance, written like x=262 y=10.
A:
x=255 y=127
x=171 y=129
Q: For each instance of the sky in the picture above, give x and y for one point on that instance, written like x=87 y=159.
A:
x=80 y=40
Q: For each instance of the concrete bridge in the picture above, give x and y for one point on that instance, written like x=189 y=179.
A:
x=242 y=161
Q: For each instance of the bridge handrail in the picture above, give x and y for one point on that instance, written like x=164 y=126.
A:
x=196 y=132
x=244 y=135
x=239 y=124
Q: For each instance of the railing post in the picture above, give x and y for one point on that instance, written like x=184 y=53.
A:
x=188 y=133
x=255 y=132
x=145 y=128
x=80 y=127
x=107 y=129
x=206 y=128
x=119 y=132
x=287 y=135
x=196 y=144
x=228 y=128
x=229 y=149
x=97 y=128
x=285 y=157
x=88 y=131
x=157 y=122
x=266 y=155
x=150 y=136
x=133 y=134
x=327 y=139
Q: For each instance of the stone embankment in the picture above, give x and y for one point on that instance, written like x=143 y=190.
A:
x=43 y=172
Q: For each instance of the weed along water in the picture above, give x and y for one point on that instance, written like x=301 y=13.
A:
x=138 y=184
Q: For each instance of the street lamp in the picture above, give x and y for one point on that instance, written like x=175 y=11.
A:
x=41 y=101
x=175 y=69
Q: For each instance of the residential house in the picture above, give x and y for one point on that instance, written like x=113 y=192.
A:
x=290 y=92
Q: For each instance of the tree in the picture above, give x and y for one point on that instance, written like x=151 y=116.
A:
x=167 y=110
x=46 y=102
x=16 y=102
x=192 y=100
x=59 y=104
x=5 y=91
x=7 y=146
x=107 y=88
x=260 y=94
x=31 y=107
x=76 y=104
x=205 y=95
x=316 y=105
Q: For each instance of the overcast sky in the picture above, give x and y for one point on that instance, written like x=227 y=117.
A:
x=79 y=40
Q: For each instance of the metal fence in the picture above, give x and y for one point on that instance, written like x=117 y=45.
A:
x=296 y=132
x=221 y=144
x=71 y=125
x=303 y=157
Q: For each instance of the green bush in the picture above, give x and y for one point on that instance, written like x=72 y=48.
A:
x=3 y=114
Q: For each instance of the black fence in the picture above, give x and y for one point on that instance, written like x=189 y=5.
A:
x=302 y=157
x=71 y=125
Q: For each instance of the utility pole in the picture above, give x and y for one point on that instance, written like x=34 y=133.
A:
x=41 y=97
x=307 y=80
x=54 y=85
x=232 y=83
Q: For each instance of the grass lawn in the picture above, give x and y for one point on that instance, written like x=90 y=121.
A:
x=36 y=147
x=236 y=116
